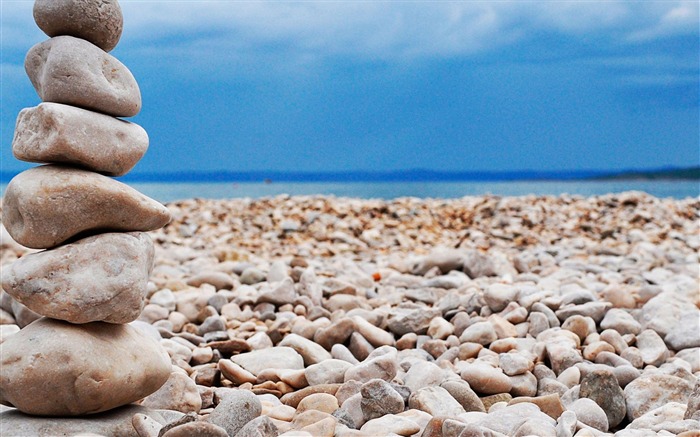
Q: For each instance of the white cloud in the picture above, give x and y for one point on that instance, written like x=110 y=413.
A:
x=390 y=29
x=680 y=18
x=385 y=30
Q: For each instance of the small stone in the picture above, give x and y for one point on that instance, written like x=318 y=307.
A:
x=359 y=346
x=485 y=379
x=44 y=206
x=523 y=385
x=535 y=427
x=145 y=426
x=480 y=332
x=444 y=260
x=652 y=347
x=620 y=321
x=566 y=425
x=423 y=374
x=477 y=264
x=375 y=336
x=282 y=293
x=220 y=280
x=590 y=413
x=592 y=350
x=508 y=419
x=570 y=377
x=259 y=427
x=272 y=358
x=562 y=356
x=440 y=328
x=497 y=296
x=252 y=275
x=686 y=333
x=602 y=387
x=381 y=363
x=6 y=331
x=415 y=320
x=614 y=339
x=514 y=364
x=379 y=399
x=462 y=392
x=202 y=355
x=197 y=428
x=235 y=411
x=579 y=325
x=693 y=408
x=435 y=401
x=179 y=393
x=327 y=372
x=594 y=310
x=662 y=312
x=100 y=22
x=550 y=404
x=131 y=366
x=227 y=347
x=649 y=392
x=322 y=428
x=23 y=315
x=74 y=72
x=310 y=351
x=63 y=134
x=293 y=399
x=390 y=424
x=324 y=402
x=337 y=333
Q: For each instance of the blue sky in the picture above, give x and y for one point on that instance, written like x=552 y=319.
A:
x=391 y=85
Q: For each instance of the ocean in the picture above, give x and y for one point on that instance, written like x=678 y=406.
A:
x=167 y=192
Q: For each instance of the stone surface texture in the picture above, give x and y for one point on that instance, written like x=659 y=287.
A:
x=56 y=133
x=75 y=72
x=45 y=206
x=97 y=21
x=99 y=278
x=88 y=368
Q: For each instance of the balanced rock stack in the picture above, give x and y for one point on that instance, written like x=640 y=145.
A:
x=81 y=357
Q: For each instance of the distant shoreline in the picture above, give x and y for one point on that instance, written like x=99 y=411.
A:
x=685 y=174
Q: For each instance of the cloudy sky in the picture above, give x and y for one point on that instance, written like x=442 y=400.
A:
x=387 y=85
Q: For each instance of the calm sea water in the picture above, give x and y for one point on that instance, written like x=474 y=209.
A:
x=166 y=192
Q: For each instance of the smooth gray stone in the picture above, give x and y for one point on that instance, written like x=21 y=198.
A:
x=56 y=368
x=99 y=278
x=117 y=422
x=47 y=205
x=98 y=21
x=63 y=134
x=73 y=71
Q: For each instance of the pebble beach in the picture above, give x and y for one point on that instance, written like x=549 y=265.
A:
x=480 y=316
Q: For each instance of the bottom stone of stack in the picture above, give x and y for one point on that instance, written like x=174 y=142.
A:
x=55 y=368
x=117 y=422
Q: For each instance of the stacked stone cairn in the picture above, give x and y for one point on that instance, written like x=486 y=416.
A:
x=82 y=356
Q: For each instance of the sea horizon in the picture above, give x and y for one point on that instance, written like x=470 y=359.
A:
x=174 y=191
x=677 y=183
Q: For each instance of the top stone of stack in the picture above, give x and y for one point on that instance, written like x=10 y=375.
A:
x=97 y=21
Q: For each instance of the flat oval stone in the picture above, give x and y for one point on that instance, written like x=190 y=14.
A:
x=98 y=21
x=73 y=71
x=45 y=206
x=99 y=278
x=56 y=368
x=63 y=134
